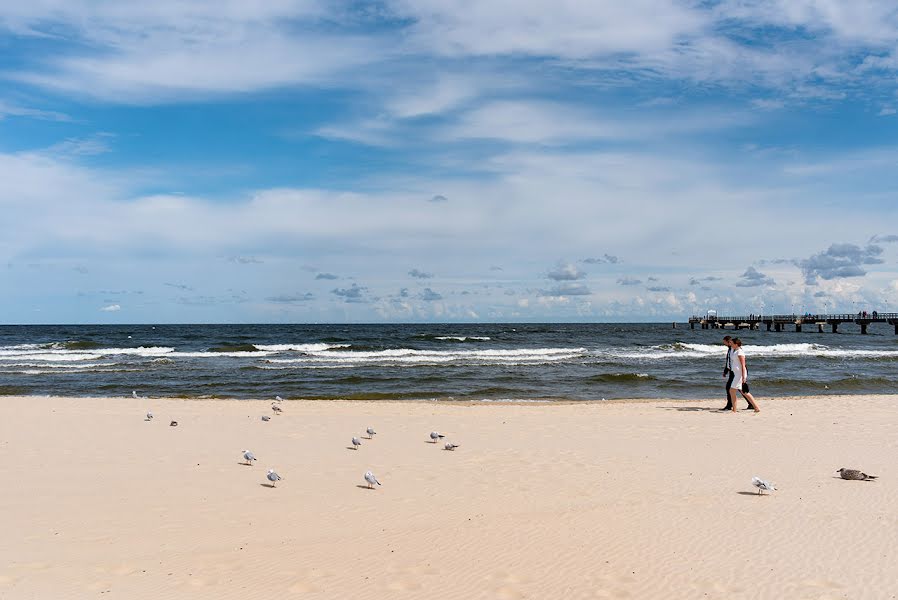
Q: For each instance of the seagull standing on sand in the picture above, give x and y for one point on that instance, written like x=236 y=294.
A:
x=266 y=418
x=762 y=485
x=356 y=442
x=371 y=479
x=370 y=431
x=855 y=475
x=277 y=409
x=435 y=437
x=149 y=415
x=249 y=457
x=278 y=399
x=450 y=446
x=135 y=396
x=273 y=477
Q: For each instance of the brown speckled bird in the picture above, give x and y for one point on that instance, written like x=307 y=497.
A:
x=855 y=475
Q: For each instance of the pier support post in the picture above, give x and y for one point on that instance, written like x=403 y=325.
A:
x=819 y=327
x=835 y=327
x=692 y=325
x=798 y=327
x=863 y=328
x=768 y=323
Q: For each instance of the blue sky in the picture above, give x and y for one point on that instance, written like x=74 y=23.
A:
x=305 y=161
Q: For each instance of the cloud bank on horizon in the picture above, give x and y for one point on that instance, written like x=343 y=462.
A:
x=310 y=161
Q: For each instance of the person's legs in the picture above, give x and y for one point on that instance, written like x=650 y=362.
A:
x=732 y=392
x=751 y=401
x=728 y=387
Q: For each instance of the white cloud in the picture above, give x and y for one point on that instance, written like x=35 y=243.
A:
x=111 y=308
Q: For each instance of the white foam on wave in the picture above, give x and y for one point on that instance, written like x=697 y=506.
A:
x=686 y=350
x=299 y=347
x=46 y=354
x=463 y=338
x=73 y=365
x=207 y=354
x=410 y=356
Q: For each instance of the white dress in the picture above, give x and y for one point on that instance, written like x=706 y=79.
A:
x=736 y=367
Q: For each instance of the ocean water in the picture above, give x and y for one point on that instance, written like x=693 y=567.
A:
x=489 y=362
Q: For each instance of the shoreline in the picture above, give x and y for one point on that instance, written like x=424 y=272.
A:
x=459 y=402
x=583 y=500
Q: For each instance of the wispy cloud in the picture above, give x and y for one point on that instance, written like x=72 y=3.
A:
x=565 y=272
x=419 y=274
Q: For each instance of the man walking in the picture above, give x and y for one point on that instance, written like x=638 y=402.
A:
x=728 y=374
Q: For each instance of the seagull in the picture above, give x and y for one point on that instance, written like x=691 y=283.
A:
x=266 y=418
x=854 y=474
x=249 y=457
x=371 y=479
x=134 y=394
x=273 y=477
x=278 y=399
x=450 y=446
x=434 y=436
x=173 y=424
x=762 y=485
x=277 y=409
x=149 y=415
x=370 y=431
x=356 y=442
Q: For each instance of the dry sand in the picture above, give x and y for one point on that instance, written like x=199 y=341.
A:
x=601 y=500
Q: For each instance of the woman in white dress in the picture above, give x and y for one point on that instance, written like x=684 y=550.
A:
x=740 y=376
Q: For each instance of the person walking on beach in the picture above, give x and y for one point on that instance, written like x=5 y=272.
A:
x=728 y=371
x=740 y=376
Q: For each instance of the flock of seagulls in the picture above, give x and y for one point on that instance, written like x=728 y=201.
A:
x=249 y=458
x=762 y=484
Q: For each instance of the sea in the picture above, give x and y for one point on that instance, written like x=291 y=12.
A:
x=475 y=362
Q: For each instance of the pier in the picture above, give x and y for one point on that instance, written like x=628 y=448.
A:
x=781 y=322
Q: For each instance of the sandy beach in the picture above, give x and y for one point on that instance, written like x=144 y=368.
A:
x=649 y=499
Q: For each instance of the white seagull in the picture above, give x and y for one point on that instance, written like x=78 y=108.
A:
x=278 y=399
x=371 y=479
x=249 y=457
x=356 y=442
x=370 y=431
x=149 y=415
x=277 y=409
x=450 y=446
x=273 y=477
x=762 y=485
x=434 y=437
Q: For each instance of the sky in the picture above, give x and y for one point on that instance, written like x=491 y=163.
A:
x=297 y=161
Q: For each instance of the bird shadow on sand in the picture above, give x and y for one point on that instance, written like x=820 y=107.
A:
x=364 y=487
x=367 y=438
x=351 y=448
x=268 y=485
x=692 y=409
x=243 y=464
x=751 y=494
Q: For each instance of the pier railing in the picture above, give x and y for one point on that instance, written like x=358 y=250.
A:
x=779 y=322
